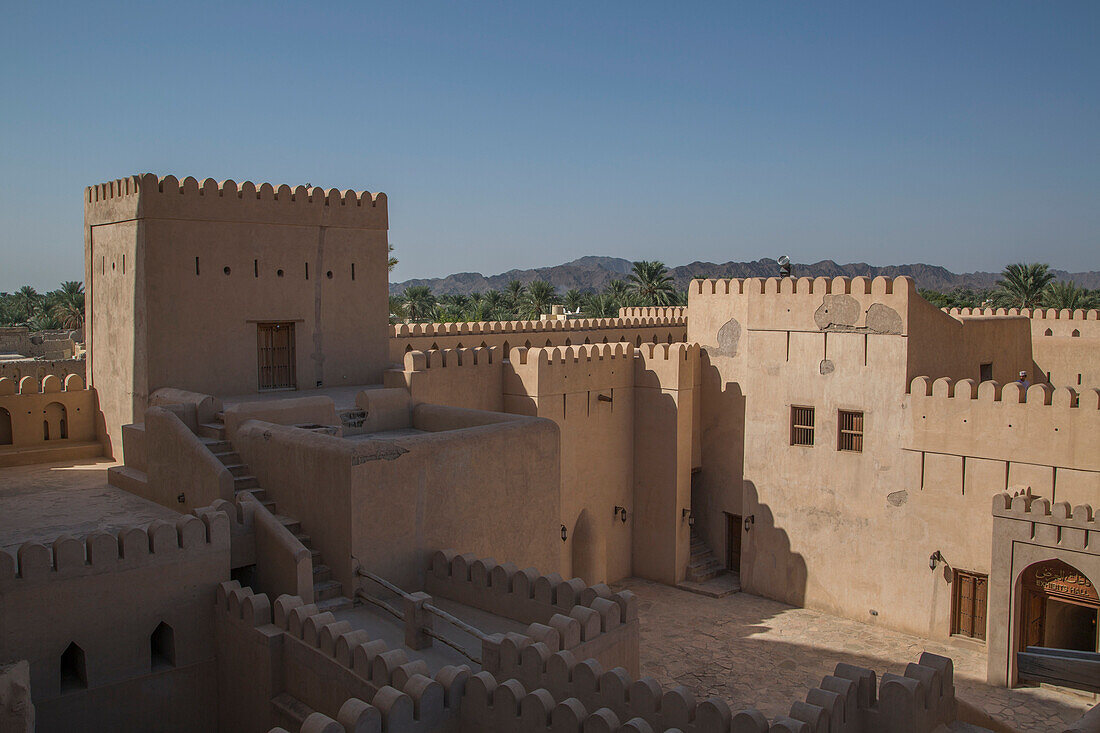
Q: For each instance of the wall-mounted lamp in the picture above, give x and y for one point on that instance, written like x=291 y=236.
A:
x=934 y=559
x=686 y=514
x=182 y=498
x=564 y=533
x=749 y=521
x=620 y=512
x=603 y=398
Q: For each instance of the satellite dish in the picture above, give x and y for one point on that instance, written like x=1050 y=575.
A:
x=784 y=260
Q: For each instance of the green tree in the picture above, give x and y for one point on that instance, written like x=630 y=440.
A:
x=66 y=304
x=419 y=302
x=1060 y=294
x=601 y=305
x=573 y=299
x=397 y=309
x=537 y=299
x=514 y=291
x=1022 y=285
x=392 y=260
x=651 y=283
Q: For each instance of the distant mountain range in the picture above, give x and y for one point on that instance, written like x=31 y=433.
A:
x=589 y=274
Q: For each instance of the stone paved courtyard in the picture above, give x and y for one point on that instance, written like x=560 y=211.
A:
x=754 y=652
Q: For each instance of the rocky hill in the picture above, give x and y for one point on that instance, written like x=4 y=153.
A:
x=593 y=273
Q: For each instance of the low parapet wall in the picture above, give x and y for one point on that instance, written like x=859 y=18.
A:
x=332 y=672
x=169 y=197
x=1038 y=313
x=568 y=615
x=48 y=413
x=675 y=312
x=1040 y=425
x=803 y=285
x=466 y=377
x=508 y=334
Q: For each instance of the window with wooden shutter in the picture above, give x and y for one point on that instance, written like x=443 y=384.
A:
x=970 y=591
x=802 y=425
x=849 y=434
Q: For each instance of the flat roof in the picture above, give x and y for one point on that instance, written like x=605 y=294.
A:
x=39 y=503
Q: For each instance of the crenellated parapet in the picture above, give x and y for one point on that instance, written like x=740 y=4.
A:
x=419 y=361
x=159 y=543
x=818 y=286
x=1040 y=424
x=676 y=312
x=50 y=384
x=1061 y=525
x=380 y=688
x=558 y=692
x=1052 y=314
x=667 y=366
x=150 y=196
x=556 y=370
x=479 y=328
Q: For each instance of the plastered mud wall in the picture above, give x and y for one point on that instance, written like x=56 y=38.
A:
x=46 y=420
x=108 y=594
x=180 y=274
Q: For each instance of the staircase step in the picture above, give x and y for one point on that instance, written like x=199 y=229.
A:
x=321 y=573
x=259 y=494
x=303 y=538
x=245 y=482
x=237 y=469
x=228 y=457
x=327 y=589
x=289 y=522
x=314 y=554
x=212 y=430
x=215 y=445
x=338 y=603
x=290 y=709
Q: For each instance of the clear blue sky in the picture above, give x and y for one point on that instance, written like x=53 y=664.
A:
x=965 y=134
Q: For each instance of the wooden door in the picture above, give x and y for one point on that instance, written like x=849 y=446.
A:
x=275 y=356
x=1034 y=607
x=733 y=542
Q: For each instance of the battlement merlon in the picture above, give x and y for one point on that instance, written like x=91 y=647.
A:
x=1013 y=393
x=1037 y=314
x=556 y=370
x=475 y=328
x=804 y=286
x=668 y=366
x=148 y=196
x=101 y=552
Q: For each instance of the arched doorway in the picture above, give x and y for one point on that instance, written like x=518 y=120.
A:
x=1059 y=624
x=5 y=427
x=1060 y=608
x=589 y=551
x=55 y=422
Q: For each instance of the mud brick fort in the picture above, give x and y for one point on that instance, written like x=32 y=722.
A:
x=319 y=521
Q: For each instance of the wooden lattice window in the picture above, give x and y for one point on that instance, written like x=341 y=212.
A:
x=849 y=433
x=802 y=425
x=969 y=604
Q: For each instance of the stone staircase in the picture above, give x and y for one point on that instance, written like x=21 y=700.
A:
x=328 y=594
x=705 y=573
x=703 y=565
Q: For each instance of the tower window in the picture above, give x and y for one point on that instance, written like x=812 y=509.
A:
x=849 y=434
x=74 y=673
x=162 y=647
x=802 y=425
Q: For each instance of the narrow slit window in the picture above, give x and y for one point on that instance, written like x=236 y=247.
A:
x=255 y=268
x=849 y=434
x=307 y=271
x=196 y=265
x=802 y=425
x=352 y=270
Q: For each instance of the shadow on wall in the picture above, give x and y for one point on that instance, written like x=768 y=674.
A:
x=717 y=491
x=769 y=567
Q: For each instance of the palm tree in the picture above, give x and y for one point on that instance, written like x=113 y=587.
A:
x=1067 y=295
x=66 y=304
x=392 y=260
x=514 y=291
x=537 y=299
x=1022 y=285
x=419 y=302
x=573 y=300
x=601 y=305
x=652 y=284
x=397 y=309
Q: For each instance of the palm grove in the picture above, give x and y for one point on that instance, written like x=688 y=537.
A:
x=57 y=309
x=648 y=284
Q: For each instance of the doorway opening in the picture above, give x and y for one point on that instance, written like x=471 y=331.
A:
x=1059 y=635
x=275 y=356
x=733 y=542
